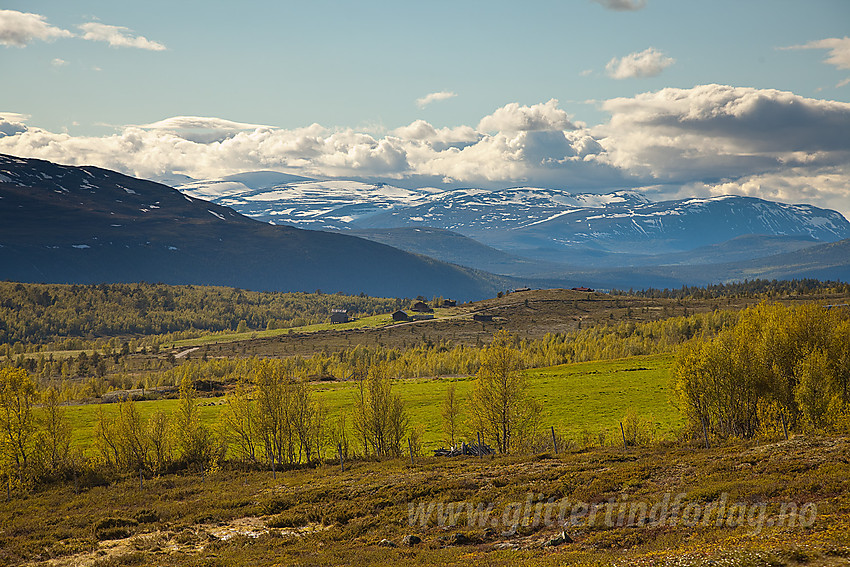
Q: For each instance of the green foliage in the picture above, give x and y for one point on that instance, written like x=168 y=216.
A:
x=774 y=360
x=380 y=418
x=65 y=314
x=17 y=422
x=501 y=407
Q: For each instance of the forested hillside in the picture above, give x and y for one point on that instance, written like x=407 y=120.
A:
x=39 y=313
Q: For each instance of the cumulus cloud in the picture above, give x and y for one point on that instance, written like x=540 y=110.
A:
x=710 y=139
x=647 y=63
x=57 y=62
x=622 y=5
x=117 y=36
x=839 y=50
x=11 y=124
x=18 y=29
x=434 y=97
x=514 y=117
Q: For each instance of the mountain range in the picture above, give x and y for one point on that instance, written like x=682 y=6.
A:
x=88 y=225
x=533 y=231
x=63 y=224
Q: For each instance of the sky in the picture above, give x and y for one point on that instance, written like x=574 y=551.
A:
x=674 y=98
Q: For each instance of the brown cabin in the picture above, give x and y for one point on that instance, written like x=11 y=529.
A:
x=339 y=316
x=400 y=316
x=421 y=307
x=449 y=303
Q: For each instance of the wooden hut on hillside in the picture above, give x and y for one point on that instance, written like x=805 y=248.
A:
x=421 y=307
x=339 y=316
x=400 y=316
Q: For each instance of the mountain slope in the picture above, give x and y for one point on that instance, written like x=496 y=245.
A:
x=621 y=228
x=87 y=225
x=448 y=246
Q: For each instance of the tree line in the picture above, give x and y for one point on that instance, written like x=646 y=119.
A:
x=270 y=420
x=41 y=313
x=757 y=288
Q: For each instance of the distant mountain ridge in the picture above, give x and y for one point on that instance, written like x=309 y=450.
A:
x=544 y=224
x=65 y=224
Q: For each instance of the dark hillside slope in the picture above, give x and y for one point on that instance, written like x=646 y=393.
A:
x=64 y=224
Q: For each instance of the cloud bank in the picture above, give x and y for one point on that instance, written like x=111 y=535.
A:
x=647 y=63
x=710 y=139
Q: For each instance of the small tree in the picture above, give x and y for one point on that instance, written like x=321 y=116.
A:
x=501 y=406
x=17 y=424
x=195 y=441
x=813 y=391
x=54 y=437
x=451 y=415
x=160 y=440
x=380 y=417
x=240 y=422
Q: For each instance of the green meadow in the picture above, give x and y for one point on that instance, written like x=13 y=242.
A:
x=371 y=322
x=589 y=396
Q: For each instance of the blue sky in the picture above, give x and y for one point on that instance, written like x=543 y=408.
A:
x=338 y=84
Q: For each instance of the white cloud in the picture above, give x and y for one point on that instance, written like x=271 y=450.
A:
x=21 y=28
x=434 y=97
x=709 y=139
x=839 y=50
x=58 y=62
x=199 y=123
x=11 y=124
x=117 y=36
x=516 y=118
x=647 y=63
x=622 y=5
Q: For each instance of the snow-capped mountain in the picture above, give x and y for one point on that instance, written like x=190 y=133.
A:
x=301 y=201
x=543 y=223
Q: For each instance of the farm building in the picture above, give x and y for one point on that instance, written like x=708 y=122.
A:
x=400 y=316
x=482 y=317
x=339 y=316
x=421 y=307
x=449 y=303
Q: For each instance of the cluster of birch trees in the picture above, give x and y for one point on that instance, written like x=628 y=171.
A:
x=777 y=368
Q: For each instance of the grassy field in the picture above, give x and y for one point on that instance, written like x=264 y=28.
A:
x=592 y=396
x=373 y=322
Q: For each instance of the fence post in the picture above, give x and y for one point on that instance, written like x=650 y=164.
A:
x=623 y=431
x=554 y=441
x=410 y=447
x=784 y=425
x=341 y=462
